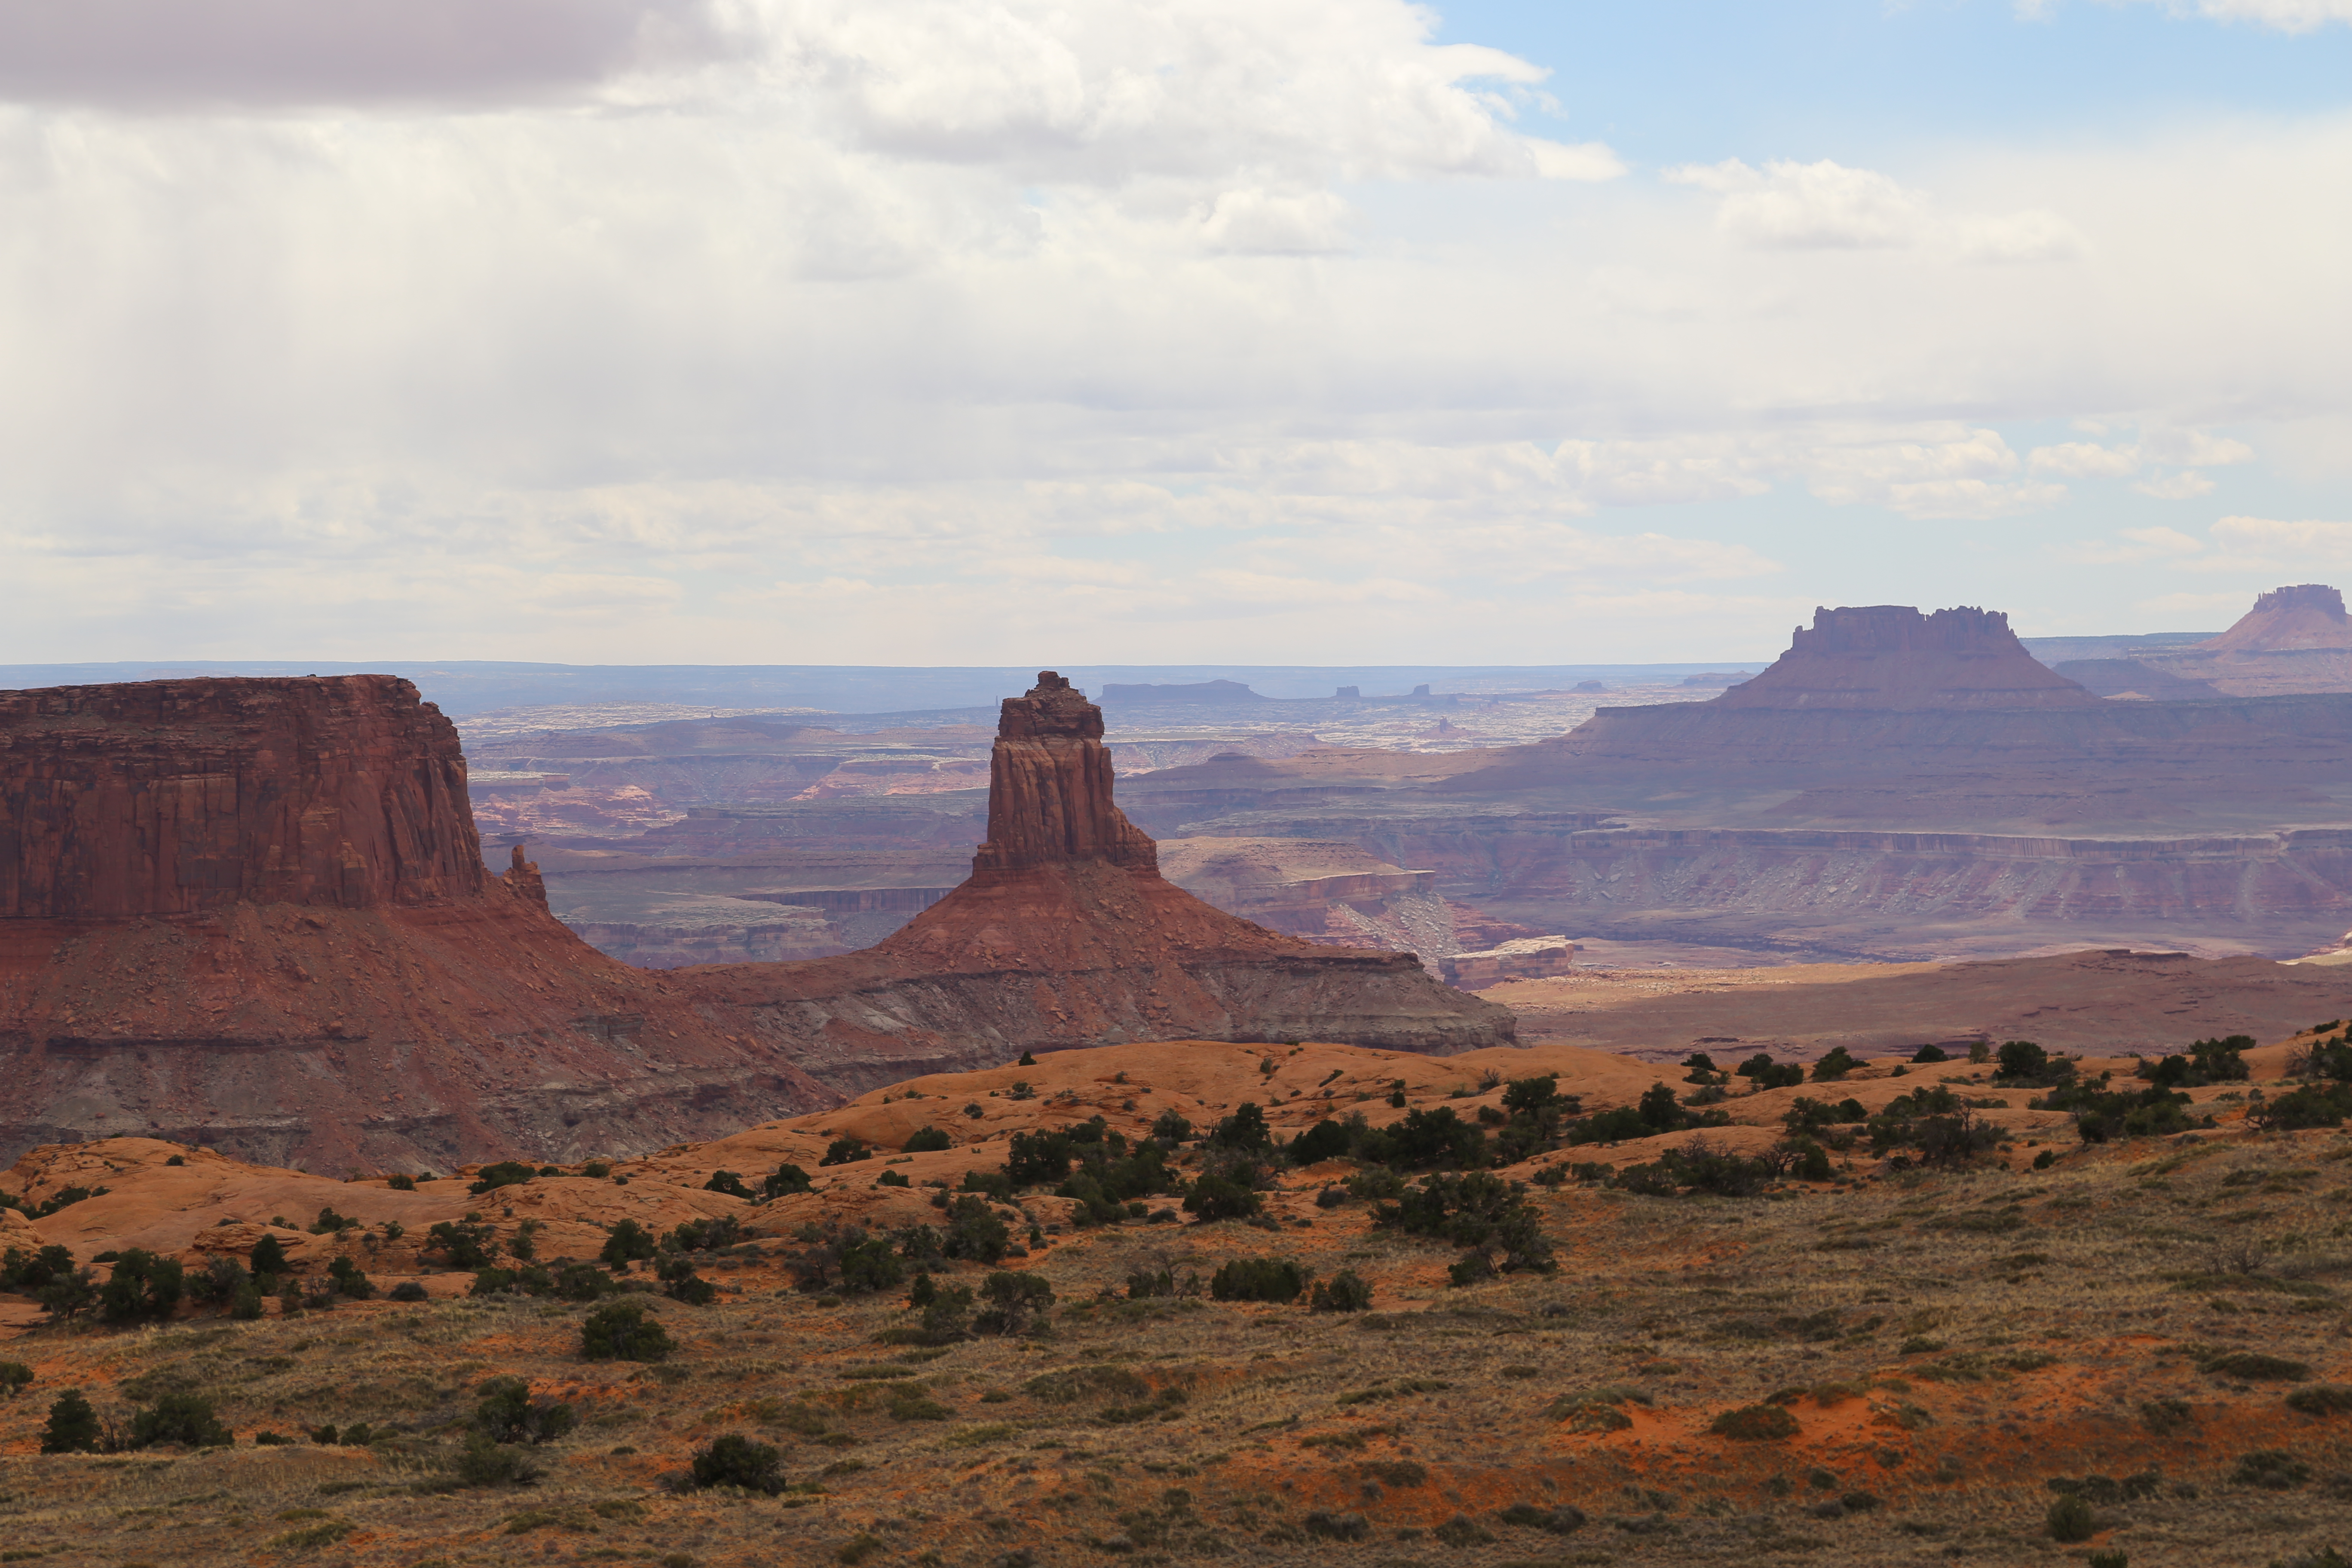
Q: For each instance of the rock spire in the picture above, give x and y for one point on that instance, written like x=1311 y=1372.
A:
x=1049 y=788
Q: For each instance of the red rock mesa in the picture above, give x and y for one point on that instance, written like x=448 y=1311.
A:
x=1065 y=935
x=253 y=913
x=1890 y=655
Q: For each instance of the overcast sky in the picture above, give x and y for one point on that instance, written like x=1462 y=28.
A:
x=941 y=331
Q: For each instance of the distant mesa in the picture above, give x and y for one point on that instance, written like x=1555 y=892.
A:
x=2287 y=620
x=1587 y=685
x=1353 y=691
x=253 y=913
x=1711 y=677
x=2128 y=678
x=1067 y=935
x=1201 y=692
x=1892 y=657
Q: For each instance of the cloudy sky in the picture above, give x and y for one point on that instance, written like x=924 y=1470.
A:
x=939 y=332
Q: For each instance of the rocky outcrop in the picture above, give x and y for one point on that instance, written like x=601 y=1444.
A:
x=253 y=913
x=2295 y=639
x=1892 y=657
x=1066 y=935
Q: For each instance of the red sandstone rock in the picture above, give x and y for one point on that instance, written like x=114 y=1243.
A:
x=1890 y=655
x=1066 y=935
x=2307 y=616
x=253 y=913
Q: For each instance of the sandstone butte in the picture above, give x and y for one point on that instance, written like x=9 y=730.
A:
x=253 y=914
x=1066 y=935
x=1945 y=1347
x=2294 y=640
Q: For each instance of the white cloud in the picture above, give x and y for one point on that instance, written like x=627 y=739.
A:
x=2084 y=460
x=2138 y=545
x=1825 y=206
x=2267 y=543
x=2184 y=448
x=2186 y=485
x=2283 y=16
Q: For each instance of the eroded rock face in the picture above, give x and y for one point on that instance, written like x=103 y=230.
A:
x=253 y=913
x=164 y=797
x=2306 y=615
x=1892 y=657
x=1066 y=935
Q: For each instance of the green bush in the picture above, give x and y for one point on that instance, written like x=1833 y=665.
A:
x=2316 y=1105
x=505 y=1174
x=1258 y=1280
x=142 y=1288
x=508 y=1413
x=2254 y=1366
x=622 y=1332
x=29 y=1271
x=73 y=1426
x=400 y=1182
x=974 y=1231
x=2070 y=1519
x=727 y=1182
x=1834 y=1065
x=926 y=1141
x=1345 y=1291
x=2272 y=1469
x=1015 y=1302
x=735 y=1461
x=1766 y=1073
x=484 y=1463
x=2327 y=1399
x=625 y=1242
x=1478 y=1211
x=869 y=1262
x=349 y=1280
x=463 y=1245
x=785 y=1179
x=269 y=1257
x=846 y=1150
x=14 y=1378
x=1215 y=1197
x=1930 y=1054
x=1755 y=1423
x=179 y=1418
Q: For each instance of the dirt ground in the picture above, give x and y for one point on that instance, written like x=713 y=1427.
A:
x=1946 y=1344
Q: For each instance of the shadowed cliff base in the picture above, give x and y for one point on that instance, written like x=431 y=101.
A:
x=254 y=913
x=1066 y=935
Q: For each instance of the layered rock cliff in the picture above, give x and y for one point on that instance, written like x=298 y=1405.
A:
x=253 y=913
x=1066 y=935
x=2294 y=640
x=1890 y=656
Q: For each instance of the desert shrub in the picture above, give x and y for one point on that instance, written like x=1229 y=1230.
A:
x=1325 y=1526
x=622 y=1332
x=1171 y=1128
x=1245 y=1130
x=406 y=1290
x=705 y=1235
x=974 y=1231
x=505 y=1174
x=2315 y=1105
x=866 y=1263
x=680 y=1282
x=29 y=1271
x=268 y=1258
x=1327 y=1140
x=484 y=1463
x=218 y=1282
x=1460 y=1531
x=2327 y=1399
x=1014 y=1301
x=2254 y=1366
x=1940 y=1140
x=73 y=1426
x=1258 y=1280
x=1215 y=1197
x=2020 y=1061
x=14 y=1378
x=2102 y=1114
x=179 y=1418
x=1834 y=1065
x=926 y=1141
x=846 y=1150
x=1755 y=1423
x=143 y=1289
x=1345 y=1291
x=735 y=1461
x=785 y=1179
x=461 y=1244
x=349 y=1281
x=1561 y=1521
x=1806 y=1114
x=508 y=1413
x=1479 y=1211
x=728 y=1182
x=1656 y=1112
x=399 y=1181
x=2070 y=1519
x=989 y=1183
x=625 y=1242
x=2272 y=1469
x=946 y=1309
x=1766 y=1073
x=1930 y=1054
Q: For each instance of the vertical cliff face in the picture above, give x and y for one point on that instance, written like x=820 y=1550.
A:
x=168 y=797
x=1892 y=657
x=1067 y=935
x=1049 y=788
x=254 y=914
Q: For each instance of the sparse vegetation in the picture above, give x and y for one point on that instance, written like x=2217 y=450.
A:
x=623 y=1331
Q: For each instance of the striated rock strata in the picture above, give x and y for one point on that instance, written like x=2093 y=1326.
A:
x=2294 y=640
x=253 y=913
x=1066 y=935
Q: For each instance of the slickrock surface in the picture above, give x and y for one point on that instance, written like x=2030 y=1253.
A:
x=254 y=913
x=1942 y=1345
x=1066 y=935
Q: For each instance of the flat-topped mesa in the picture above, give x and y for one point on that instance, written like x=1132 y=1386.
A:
x=168 y=797
x=1049 y=788
x=2291 y=619
x=1892 y=657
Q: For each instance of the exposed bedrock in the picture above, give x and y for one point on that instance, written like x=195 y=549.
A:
x=284 y=944
x=1065 y=935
